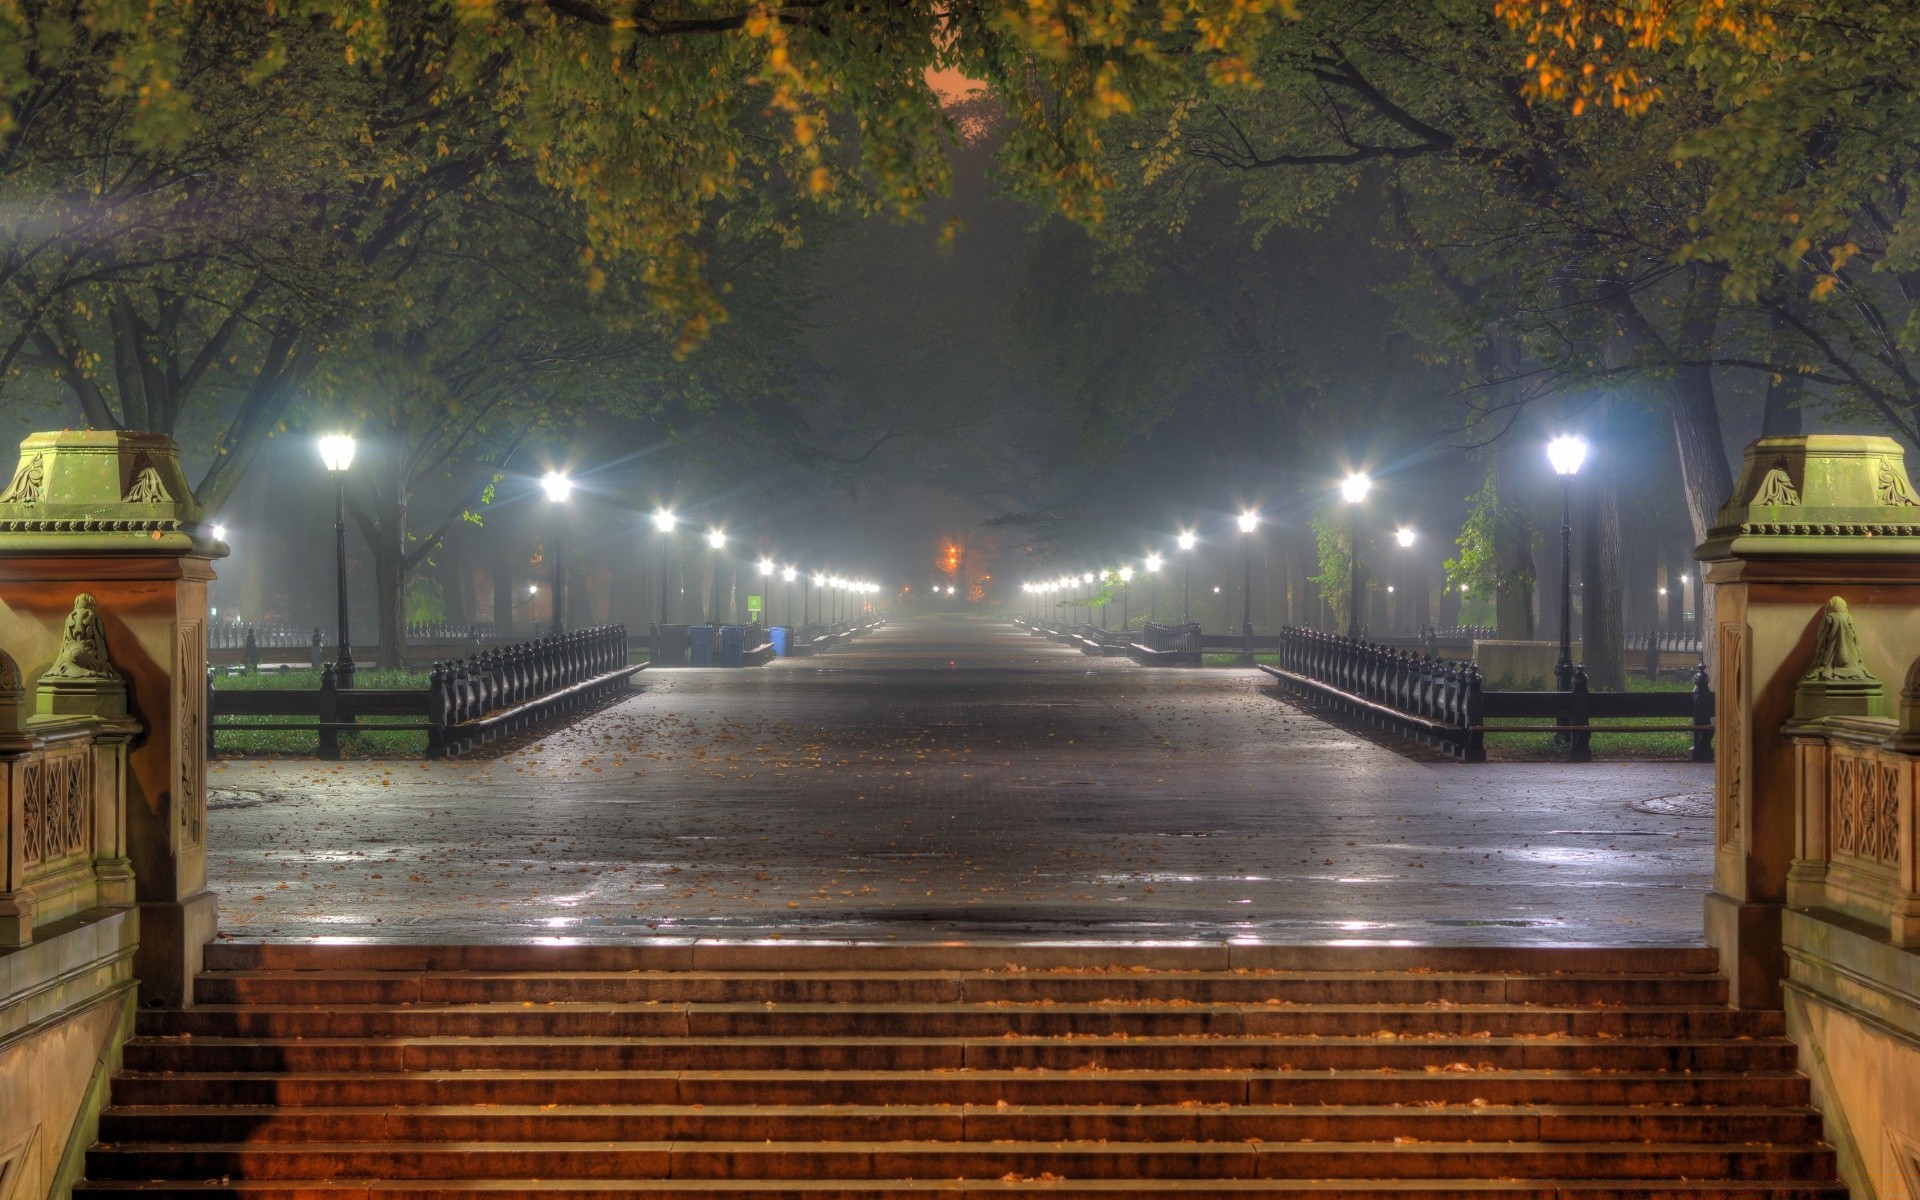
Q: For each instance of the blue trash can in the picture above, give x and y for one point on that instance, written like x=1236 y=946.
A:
x=781 y=637
x=733 y=646
x=702 y=636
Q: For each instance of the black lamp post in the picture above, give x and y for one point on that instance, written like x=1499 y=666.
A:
x=1249 y=521
x=1186 y=577
x=558 y=487
x=1354 y=489
x=336 y=452
x=1126 y=590
x=1153 y=563
x=716 y=541
x=1566 y=453
x=787 y=576
x=664 y=521
x=1406 y=537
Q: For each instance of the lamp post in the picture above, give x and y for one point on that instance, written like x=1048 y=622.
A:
x=716 y=541
x=664 y=521
x=818 y=580
x=766 y=576
x=1126 y=588
x=1224 y=620
x=1187 y=541
x=558 y=487
x=1152 y=563
x=1405 y=536
x=1249 y=521
x=787 y=576
x=1566 y=453
x=1354 y=489
x=336 y=454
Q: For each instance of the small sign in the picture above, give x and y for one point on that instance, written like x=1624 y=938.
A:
x=753 y=605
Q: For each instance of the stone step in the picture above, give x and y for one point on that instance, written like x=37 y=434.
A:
x=758 y=957
x=1292 y=987
x=951 y=1160
x=942 y=1020
x=186 y=1053
x=1368 y=1087
x=1010 y=1188
x=886 y=1122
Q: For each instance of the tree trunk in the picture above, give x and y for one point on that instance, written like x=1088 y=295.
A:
x=450 y=564
x=1512 y=555
x=504 y=593
x=1603 y=646
x=388 y=536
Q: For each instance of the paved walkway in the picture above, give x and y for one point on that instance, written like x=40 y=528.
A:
x=957 y=778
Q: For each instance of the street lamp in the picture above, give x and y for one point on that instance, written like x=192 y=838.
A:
x=716 y=541
x=1249 y=521
x=336 y=454
x=558 y=487
x=1126 y=580
x=1405 y=536
x=664 y=521
x=788 y=576
x=1187 y=541
x=1354 y=489
x=1566 y=453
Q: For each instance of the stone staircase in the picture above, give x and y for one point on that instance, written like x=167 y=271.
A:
x=810 y=1072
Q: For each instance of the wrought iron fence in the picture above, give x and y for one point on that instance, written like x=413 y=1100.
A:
x=1444 y=703
x=465 y=704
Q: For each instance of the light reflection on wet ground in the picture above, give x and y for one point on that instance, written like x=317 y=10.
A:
x=1023 y=792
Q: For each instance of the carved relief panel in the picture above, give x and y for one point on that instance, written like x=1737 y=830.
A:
x=190 y=789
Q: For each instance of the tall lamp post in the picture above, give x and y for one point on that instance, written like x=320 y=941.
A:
x=1249 y=521
x=788 y=576
x=1566 y=453
x=558 y=487
x=1152 y=563
x=819 y=581
x=1406 y=537
x=1187 y=541
x=664 y=521
x=336 y=453
x=766 y=575
x=1354 y=489
x=716 y=541
x=1126 y=589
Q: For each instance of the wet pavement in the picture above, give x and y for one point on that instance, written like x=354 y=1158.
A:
x=953 y=778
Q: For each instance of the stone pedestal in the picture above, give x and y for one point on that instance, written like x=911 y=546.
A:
x=1812 y=518
x=111 y=514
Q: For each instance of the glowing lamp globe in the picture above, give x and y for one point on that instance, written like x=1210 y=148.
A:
x=1566 y=453
x=336 y=451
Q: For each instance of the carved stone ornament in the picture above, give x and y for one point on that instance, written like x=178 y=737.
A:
x=83 y=645
x=1891 y=486
x=146 y=487
x=81 y=681
x=13 y=690
x=1836 y=655
x=1837 y=682
x=1776 y=489
x=29 y=481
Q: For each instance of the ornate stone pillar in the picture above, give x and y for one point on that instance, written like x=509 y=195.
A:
x=110 y=514
x=1812 y=518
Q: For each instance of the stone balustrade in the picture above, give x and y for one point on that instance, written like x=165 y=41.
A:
x=63 y=787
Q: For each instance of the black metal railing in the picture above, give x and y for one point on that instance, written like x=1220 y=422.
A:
x=1653 y=644
x=1444 y=703
x=465 y=704
x=1168 y=644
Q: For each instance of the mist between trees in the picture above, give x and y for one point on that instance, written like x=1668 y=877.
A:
x=748 y=261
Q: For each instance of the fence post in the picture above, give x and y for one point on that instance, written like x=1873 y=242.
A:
x=1653 y=654
x=1702 y=715
x=329 y=713
x=211 y=711
x=1580 y=741
x=437 y=708
x=252 y=652
x=314 y=649
x=1473 y=716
